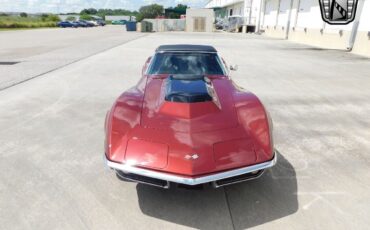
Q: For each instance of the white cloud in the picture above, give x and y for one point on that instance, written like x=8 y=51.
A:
x=56 y=6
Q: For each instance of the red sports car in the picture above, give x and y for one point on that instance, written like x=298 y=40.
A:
x=186 y=122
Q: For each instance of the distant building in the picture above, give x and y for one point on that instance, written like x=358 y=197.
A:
x=119 y=17
x=64 y=17
x=199 y=20
x=299 y=21
x=247 y=9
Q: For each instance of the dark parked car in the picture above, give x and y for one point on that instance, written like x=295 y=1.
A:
x=220 y=25
x=88 y=24
x=101 y=22
x=81 y=24
x=65 y=24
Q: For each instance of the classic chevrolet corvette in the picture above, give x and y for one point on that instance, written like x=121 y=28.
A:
x=186 y=122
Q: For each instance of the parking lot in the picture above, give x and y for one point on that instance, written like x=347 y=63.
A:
x=52 y=109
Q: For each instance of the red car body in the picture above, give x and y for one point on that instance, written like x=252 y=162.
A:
x=224 y=139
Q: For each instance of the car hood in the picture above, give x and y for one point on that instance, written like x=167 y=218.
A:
x=194 y=116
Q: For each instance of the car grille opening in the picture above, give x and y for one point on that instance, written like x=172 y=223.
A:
x=143 y=179
x=237 y=179
x=191 y=187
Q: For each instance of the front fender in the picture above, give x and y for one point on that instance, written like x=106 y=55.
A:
x=252 y=115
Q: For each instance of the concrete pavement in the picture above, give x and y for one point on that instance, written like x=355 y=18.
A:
x=51 y=144
x=43 y=50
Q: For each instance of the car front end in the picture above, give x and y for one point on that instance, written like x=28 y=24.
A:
x=165 y=179
x=187 y=123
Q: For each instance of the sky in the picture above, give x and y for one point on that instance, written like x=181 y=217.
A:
x=64 y=6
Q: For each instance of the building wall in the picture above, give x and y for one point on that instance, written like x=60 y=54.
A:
x=254 y=11
x=222 y=3
x=237 y=9
x=117 y=17
x=362 y=42
x=307 y=26
x=250 y=9
x=163 y=25
x=193 y=13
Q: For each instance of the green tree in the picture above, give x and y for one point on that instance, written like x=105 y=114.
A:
x=103 y=12
x=24 y=15
x=50 y=18
x=85 y=17
x=71 y=18
x=180 y=8
x=150 y=11
x=89 y=11
x=176 y=12
x=44 y=17
x=53 y=18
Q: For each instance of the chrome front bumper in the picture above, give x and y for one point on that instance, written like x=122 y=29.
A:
x=212 y=178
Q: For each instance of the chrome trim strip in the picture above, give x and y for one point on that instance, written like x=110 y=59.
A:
x=187 y=180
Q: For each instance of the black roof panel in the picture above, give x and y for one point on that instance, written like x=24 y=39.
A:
x=195 y=48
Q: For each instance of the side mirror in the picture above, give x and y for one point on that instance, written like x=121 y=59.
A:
x=233 y=67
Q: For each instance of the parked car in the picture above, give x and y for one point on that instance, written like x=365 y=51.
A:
x=220 y=24
x=119 y=22
x=187 y=122
x=235 y=23
x=81 y=24
x=65 y=24
x=87 y=23
x=94 y=23
x=101 y=22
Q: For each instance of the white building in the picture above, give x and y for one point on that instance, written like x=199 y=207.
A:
x=199 y=20
x=249 y=9
x=119 y=17
x=301 y=21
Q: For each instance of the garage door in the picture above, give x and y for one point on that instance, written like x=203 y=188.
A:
x=199 y=24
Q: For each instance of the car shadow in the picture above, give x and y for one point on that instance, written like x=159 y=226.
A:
x=239 y=206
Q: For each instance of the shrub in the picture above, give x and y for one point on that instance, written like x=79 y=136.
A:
x=45 y=20
x=53 y=18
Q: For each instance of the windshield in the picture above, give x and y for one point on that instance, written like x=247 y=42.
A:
x=186 y=63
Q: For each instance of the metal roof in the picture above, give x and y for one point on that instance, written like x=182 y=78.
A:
x=186 y=48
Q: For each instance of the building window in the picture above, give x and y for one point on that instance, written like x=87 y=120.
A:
x=231 y=12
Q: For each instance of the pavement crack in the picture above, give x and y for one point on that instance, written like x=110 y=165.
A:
x=228 y=206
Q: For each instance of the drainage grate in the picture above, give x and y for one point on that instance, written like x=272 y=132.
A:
x=8 y=62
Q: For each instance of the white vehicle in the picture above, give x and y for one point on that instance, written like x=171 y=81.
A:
x=94 y=22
